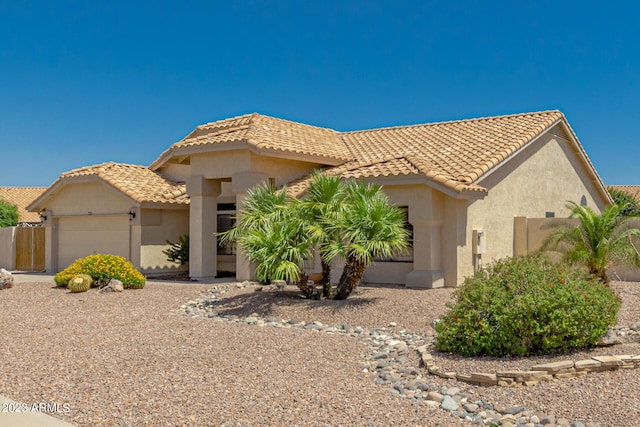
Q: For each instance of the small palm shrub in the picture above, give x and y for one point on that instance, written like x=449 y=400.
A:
x=524 y=306
x=179 y=251
x=80 y=283
x=103 y=268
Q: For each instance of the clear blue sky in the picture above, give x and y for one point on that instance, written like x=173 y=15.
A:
x=84 y=82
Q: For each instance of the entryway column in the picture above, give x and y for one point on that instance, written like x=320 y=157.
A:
x=50 y=225
x=240 y=183
x=203 y=195
x=135 y=237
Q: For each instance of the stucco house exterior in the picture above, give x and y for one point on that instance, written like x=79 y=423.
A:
x=462 y=183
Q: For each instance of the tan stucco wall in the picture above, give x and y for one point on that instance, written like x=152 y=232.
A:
x=7 y=248
x=82 y=198
x=226 y=164
x=176 y=172
x=539 y=179
x=232 y=173
x=426 y=214
x=158 y=226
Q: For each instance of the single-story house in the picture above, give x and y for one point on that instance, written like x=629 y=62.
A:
x=466 y=186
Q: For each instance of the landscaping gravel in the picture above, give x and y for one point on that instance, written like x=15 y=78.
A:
x=187 y=355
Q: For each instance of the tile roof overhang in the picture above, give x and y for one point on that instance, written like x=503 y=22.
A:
x=138 y=183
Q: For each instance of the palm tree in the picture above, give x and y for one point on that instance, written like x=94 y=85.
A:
x=369 y=226
x=274 y=236
x=599 y=241
x=321 y=208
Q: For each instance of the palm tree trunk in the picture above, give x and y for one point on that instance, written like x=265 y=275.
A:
x=326 y=276
x=305 y=287
x=351 y=276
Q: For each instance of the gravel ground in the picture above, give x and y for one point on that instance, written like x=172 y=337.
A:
x=132 y=359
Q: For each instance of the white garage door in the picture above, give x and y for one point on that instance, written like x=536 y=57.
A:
x=82 y=236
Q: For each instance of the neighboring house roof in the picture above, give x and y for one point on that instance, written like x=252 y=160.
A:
x=634 y=190
x=137 y=182
x=262 y=133
x=22 y=197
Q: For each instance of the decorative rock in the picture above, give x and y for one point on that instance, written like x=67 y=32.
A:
x=608 y=360
x=470 y=407
x=436 y=397
x=448 y=404
x=114 y=285
x=635 y=326
x=611 y=338
x=514 y=410
x=6 y=279
x=554 y=367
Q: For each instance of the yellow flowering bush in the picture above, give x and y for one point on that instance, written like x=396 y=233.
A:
x=103 y=268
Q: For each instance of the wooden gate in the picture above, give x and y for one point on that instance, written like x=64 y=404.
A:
x=30 y=248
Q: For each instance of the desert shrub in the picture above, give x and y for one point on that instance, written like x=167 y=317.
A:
x=103 y=268
x=179 y=251
x=80 y=283
x=526 y=305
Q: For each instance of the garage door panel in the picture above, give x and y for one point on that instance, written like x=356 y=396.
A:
x=82 y=236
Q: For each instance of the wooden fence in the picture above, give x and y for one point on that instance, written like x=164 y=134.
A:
x=30 y=248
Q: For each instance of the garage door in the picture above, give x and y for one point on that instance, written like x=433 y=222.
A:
x=82 y=236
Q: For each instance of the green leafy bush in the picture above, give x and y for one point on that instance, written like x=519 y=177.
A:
x=8 y=214
x=524 y=306
x=80 y=283
x=103 y=268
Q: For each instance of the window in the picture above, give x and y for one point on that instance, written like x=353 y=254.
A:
x=226 y=221
x=407 y=254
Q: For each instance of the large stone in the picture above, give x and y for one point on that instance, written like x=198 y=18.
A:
x=608 y=361
x=554 y=367
x=485 y=379
x=611 y=338
x=448 y=404
x=6 y=279
x=114 y=285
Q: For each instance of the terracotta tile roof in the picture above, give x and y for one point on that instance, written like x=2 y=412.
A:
x=22 y=197
x=634 y=190
x=457 y=153
x=265 y=133
x=452 y=154
x=137 y=182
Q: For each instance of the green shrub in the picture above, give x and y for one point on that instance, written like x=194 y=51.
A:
x=80 y=283
x=103 y=268
x=9 y=216
x=524 y=306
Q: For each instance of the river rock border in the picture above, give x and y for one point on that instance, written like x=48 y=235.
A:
x=388 y=358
